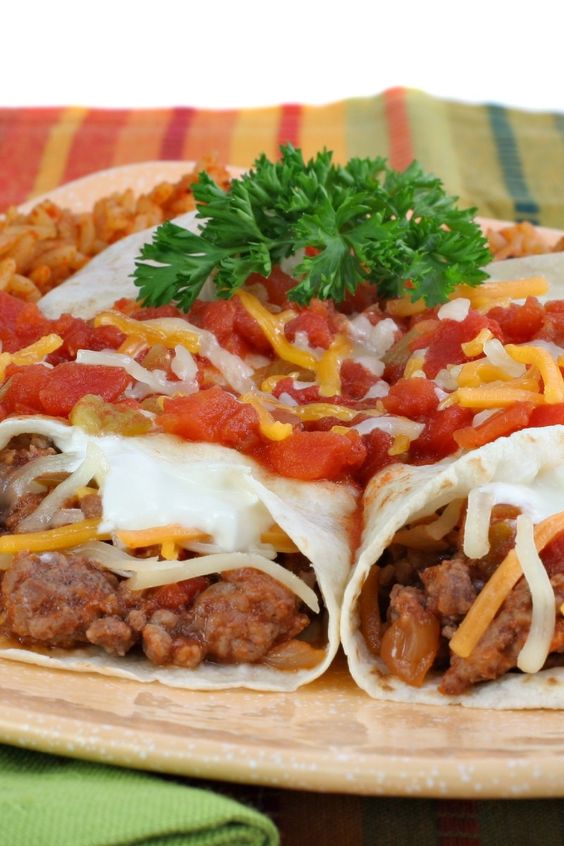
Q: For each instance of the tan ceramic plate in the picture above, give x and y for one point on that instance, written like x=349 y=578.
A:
x=328 y=736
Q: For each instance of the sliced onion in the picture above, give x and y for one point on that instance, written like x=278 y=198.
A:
x=19 y=481
x=456 y=309
x=543 y=620
x=43 y=515
x=294 y=655
x=496 y=353
x=183 y=365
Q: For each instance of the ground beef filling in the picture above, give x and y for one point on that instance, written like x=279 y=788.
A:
x=409 y=587
x=65 y=600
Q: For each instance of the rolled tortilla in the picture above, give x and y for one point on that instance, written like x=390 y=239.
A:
x=132 y=472
x=401 y=494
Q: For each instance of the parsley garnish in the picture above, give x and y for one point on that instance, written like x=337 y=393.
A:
x=364 y=221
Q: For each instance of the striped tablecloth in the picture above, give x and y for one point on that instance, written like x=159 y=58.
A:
x=509 y=163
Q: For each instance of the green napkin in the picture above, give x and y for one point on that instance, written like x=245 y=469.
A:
x=50 y=801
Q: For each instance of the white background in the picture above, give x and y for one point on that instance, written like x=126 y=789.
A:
x=247 y=53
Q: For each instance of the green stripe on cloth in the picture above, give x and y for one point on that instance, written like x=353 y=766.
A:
x=541 y=150
x=391 y=822
x=50 y=801
x=525 y=206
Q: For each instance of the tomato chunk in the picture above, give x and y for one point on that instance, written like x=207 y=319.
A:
x=180 y=594
x=553 y=556
x=235 y=329
x=315 y=325
x=414 y=398
x=277 y=285
x=315 y=455
x=519 y=323
x=503 y=423
x=78 y=335
x=547 y=415
x=20 y=323
x=356 y=380
x=212 y=415
x=444 y=342
x=69 y=382
x=436 y=441
x=21 y=392
x=378 y=444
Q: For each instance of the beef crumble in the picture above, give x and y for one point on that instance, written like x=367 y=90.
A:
x=65 y=600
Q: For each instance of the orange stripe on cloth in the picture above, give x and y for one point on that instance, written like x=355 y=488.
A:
x=401 y=147
x=93 y=146
x=21 y=147
x=210 y=135
x=141 y=136
x=176 y=132
x=289 y=126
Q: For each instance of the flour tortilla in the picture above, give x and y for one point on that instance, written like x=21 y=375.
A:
x=316 y=516
x=400 y=494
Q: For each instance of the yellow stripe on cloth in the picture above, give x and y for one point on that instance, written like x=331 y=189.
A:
x=55 y=153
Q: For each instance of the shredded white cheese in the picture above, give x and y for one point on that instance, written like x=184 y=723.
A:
x=391 y=425
x=149 y=575
x=537 y=646
x=477 y=524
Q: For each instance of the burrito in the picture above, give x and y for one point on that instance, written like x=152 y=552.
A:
x=458 y=592
x=152 y=558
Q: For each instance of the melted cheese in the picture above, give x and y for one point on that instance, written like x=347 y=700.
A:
x=32 y=354
x=546 y=365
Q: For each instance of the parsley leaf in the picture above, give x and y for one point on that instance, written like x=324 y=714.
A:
x=362 y=222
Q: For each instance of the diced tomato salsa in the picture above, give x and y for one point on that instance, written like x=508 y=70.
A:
x=414 y=377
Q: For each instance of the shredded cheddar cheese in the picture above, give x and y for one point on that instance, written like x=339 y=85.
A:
x=272 y=429
x=413 y=366
x=545 y=364
x=326 y=368
x=63 y=537
x=400 y=444
x=487 y=294
x=497 y=589
x=277 y=538
x=270 y=383
x=475 y=373
x=476 y=345
x=138 y=329
x=405 y=307
x=137 y=538
x=32 y=354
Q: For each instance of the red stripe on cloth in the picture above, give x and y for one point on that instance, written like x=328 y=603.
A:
x=94 y=144
x=458 y=823
x=289 y=126
x=176 y=132
x=23 y=135
x=399 y=133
